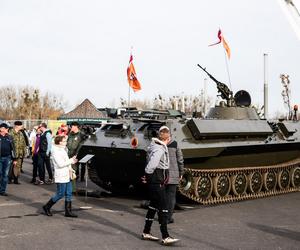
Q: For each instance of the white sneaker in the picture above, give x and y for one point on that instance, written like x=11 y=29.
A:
x=169 y=241
x=149 y=237
x=50 y=181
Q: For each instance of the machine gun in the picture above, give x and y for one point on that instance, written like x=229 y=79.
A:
x=223 y=89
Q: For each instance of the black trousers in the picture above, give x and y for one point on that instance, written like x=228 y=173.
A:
x=43 y=161
x=35 y=166
x=158 y=203
x=48 y=167
x=171 y=198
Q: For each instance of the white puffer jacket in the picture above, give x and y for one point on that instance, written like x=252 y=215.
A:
x=62 y=164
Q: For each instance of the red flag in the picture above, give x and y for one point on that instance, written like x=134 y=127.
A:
x=131 y=76
x=220 y=38
x=225 y=44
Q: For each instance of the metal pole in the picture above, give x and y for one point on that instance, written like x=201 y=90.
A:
x=227 y=69
x=176 y=103
x=128 y=104
x=182 y=102
x=266 y=115
x=86 y=191
x=204 y=97
x=86 y=179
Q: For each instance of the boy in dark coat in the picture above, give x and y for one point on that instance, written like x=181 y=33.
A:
x=157 y=175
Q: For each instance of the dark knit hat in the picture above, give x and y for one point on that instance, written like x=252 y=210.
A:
x=18 y=123
x=75 y=124
x=3 y=125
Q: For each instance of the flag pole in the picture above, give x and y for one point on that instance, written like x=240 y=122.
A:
x=227 y=68
x=128 y=104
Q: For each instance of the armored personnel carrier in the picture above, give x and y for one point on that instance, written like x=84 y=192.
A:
x=230 y=155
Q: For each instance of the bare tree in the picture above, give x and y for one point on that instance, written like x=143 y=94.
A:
x=185 y=103
x=27 y=103
x=9 y=102
x=139 y=104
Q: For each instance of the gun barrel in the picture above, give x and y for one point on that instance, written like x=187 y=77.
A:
x=202 y=68
x=222 y=87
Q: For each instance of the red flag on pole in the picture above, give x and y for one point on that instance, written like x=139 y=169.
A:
x=225 y=44
x=220 y=38
x=131 y=76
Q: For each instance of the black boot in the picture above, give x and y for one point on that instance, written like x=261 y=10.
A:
x=68 y=210
x=16 y=180
x=47 y=207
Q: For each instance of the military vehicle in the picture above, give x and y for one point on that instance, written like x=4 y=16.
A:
x=229 y=155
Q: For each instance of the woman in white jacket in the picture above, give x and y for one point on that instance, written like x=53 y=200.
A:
x=63 y=172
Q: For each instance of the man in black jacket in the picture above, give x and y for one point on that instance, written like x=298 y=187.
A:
x=44 y=153
x=7 y=154
x=75 y=139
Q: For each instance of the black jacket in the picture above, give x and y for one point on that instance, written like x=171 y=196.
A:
x=159 y=176
x=44 y=143
x=11 y=141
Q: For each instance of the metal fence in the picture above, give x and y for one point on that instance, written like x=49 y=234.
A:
x=28 y=124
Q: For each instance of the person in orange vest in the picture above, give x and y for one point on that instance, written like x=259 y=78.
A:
x=295 y=114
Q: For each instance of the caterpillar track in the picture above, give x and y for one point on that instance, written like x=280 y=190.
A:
x=214 y=186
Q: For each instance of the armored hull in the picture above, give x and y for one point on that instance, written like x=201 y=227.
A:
x=225 y=160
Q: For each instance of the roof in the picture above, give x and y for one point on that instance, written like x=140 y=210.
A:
x=85 y=110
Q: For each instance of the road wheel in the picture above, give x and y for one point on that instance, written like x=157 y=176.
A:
x=203 y=187
x=283 y=179
x=255 y=182
x=221 y=185
x=239 y=183
x=295 y=177
x=269 y=180
x=186 y=181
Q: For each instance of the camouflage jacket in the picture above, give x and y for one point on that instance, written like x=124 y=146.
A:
x=19 y=142
x=74 y=142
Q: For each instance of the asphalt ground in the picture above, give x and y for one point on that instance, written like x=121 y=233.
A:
x=117 y=222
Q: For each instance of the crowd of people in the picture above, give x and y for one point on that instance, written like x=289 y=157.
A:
x=163 y=171
x=16 y=144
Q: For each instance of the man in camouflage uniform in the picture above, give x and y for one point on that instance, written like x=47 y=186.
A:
x=20 y=147
x=75 y=139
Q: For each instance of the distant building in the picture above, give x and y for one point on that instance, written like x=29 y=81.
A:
x=85 y=113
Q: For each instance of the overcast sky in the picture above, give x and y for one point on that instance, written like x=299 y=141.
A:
x=81 y=48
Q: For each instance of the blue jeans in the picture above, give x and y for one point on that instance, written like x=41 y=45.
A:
x=63 y=189
x=5 y=163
